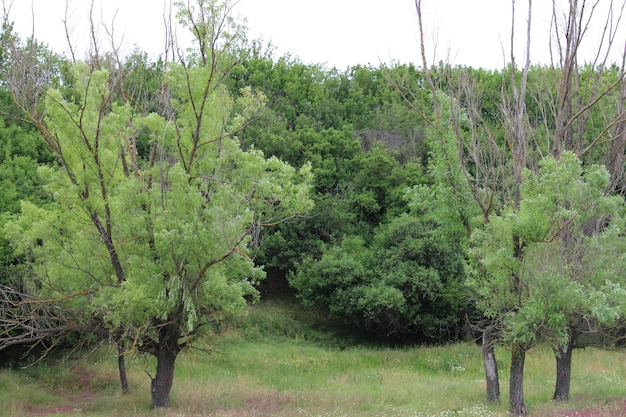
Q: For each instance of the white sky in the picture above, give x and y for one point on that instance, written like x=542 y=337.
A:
x=337 y=33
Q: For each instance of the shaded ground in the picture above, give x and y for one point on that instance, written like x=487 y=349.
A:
x=75 y=392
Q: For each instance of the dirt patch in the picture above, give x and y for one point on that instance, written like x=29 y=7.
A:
x=262 y=405
x=75 y=390
x=71 y=403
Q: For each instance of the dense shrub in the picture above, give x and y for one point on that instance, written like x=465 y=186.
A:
x=408 y=281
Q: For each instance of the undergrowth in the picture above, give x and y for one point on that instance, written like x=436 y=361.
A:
x=275 y=360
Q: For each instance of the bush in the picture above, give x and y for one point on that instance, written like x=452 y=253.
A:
x=408 y=281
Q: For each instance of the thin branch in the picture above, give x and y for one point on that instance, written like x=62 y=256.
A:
x=431 y=85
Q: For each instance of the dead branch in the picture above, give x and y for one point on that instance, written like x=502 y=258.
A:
x=28 y=320
x=418 y=8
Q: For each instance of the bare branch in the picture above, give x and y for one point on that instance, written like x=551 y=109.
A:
x=27 y=320
x=68 y=32
x=418 y=8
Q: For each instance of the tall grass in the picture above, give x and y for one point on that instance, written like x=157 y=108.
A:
x=271 y=364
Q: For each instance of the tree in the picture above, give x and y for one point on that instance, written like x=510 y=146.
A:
x=581 y=218
x=408 y=282
x=156 y=248
x=585 y=115
x=469 y=165
x=494 y=144
x=563 y=223
x=359 y=156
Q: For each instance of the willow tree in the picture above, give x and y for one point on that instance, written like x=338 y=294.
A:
x=583 y=111
x=157 y=246
x=575 y=266
x=484 y=170
x=567 y=107
x=568 y=271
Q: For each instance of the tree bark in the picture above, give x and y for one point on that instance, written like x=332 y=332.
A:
x=491 y=366
x=121 y=365
x=166 y=353
x=563 y=356
x=516 y=382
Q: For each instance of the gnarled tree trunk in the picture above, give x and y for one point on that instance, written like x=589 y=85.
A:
x=166 y=353
x=563 y=356
x=516 y=383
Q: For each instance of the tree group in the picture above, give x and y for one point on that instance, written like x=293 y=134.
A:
x=145 y=200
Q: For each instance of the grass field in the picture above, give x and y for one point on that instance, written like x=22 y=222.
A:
x=272 y=364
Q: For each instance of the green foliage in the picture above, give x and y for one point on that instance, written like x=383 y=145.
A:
x=142 y=87
x=354 y=191
x=363 y=142
x=311 y=97
x=408 y=280
x=560 y=280
x=133 y=242
x=19 y=180
x=21 y=152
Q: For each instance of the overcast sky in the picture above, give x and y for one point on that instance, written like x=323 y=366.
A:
x=336 y=33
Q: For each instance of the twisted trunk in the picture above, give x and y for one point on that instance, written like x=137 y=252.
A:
x=166 y=353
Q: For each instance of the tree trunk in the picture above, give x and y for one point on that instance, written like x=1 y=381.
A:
x=491 y=366
x=516 y=383
x=121 y=365
x=166 y=353
x=563 y=371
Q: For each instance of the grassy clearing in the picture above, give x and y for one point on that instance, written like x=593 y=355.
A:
x=289 y=369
